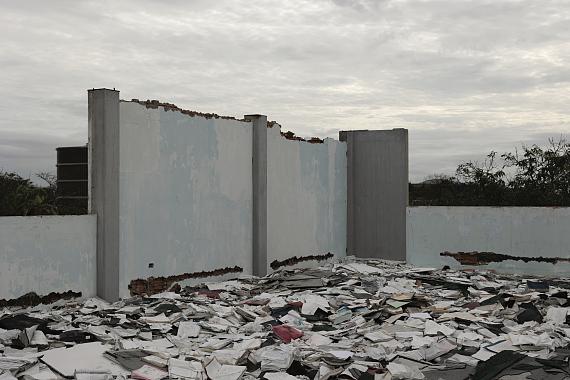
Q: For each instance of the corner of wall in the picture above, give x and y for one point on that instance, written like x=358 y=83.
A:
x=103 y=110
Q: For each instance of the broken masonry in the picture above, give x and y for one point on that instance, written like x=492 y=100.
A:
x=484 y=258
x=276 y=264
x=355 y=319
x=153 y=285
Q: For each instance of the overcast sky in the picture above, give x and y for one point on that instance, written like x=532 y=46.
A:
x=464 y=77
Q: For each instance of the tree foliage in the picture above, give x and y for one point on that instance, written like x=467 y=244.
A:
x=20 y=196
x=531 y=176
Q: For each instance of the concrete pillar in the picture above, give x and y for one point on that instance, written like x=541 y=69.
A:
x=259 y=171
x=377 y=193
x=103 y=109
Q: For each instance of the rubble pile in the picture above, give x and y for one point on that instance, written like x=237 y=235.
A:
x=347 y=320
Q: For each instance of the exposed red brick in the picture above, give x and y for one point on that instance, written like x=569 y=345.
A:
x=172 y=107
x=484 y=258
x=276 y=264
x=154 y=285
x=32 y=299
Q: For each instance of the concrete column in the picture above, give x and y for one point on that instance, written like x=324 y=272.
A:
x=259 y=171
x=103 y=161
x=377 y=193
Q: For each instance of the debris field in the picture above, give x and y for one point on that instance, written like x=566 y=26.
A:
x=349 y=319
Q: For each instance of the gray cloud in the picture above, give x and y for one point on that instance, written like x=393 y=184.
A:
x=464 y=77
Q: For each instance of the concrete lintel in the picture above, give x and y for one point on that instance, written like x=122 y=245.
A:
x=103 y=110
x=259 y=176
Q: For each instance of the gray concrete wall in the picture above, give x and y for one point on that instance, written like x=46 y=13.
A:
x=515 y=231
x=377 y=193
x=259 y=195
x=306 y=197
x=185 y=193
x=179 y=192
x=103 y=161
x=46 y=254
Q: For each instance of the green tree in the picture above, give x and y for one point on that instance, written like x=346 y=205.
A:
x=541 y=176
x=531 y=176
x=20 y=196
x=486 y=182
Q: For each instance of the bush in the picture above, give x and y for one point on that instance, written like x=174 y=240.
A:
x=533 y=176
x=19 y=196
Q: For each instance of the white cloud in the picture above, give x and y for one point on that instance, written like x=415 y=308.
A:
x=465 y=77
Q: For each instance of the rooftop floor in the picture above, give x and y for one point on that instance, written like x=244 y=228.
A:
x=351 y=320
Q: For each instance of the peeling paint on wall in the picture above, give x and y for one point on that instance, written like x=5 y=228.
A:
x=154 y=285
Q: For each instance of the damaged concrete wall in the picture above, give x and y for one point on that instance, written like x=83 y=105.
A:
x=529 y=232
x=45 y=254
x=185 y=193
x=306 y=197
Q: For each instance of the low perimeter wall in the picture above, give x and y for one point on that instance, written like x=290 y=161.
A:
x=44 y=254
x=529 y=232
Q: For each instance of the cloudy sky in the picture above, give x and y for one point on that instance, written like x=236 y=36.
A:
x=464 y=77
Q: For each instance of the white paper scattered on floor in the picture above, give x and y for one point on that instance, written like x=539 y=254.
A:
x=80 y=357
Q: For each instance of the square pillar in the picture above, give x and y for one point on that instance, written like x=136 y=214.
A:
x=259 y=171
x=103 y=164
x=377 y=193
